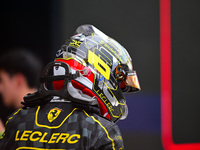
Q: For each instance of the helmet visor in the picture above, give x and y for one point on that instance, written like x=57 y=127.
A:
x=132 y=81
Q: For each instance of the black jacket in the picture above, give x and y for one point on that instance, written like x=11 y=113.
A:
x=60 y=126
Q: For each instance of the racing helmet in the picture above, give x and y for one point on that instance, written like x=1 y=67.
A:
x=105 y=67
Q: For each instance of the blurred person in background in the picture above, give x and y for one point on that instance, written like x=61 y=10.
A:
x=19 y=74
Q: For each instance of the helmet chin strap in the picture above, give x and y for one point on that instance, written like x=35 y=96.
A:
x=44 y=95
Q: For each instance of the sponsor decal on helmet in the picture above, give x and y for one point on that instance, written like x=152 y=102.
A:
x=75 y=43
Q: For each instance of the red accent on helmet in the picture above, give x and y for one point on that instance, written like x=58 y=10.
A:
x=103 y=109
x=58 y=85
x=122 y=85
x=77 y=66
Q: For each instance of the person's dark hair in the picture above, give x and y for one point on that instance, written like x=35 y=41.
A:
x=24 y=62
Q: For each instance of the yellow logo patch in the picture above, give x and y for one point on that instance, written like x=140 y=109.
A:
x=53 y=114
x=75 y=43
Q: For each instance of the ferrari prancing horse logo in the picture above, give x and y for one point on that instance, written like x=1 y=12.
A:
x=53 y=114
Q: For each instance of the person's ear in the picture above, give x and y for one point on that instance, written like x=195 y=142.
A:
x=19 y=80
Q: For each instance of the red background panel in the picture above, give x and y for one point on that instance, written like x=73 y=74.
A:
x=166 y=81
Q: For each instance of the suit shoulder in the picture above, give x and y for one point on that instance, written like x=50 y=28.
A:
x=19 y=115
x=101 y=121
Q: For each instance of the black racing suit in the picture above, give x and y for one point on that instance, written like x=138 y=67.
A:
x=60 y=126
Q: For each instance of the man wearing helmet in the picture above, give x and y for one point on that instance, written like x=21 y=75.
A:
x=79 y=100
